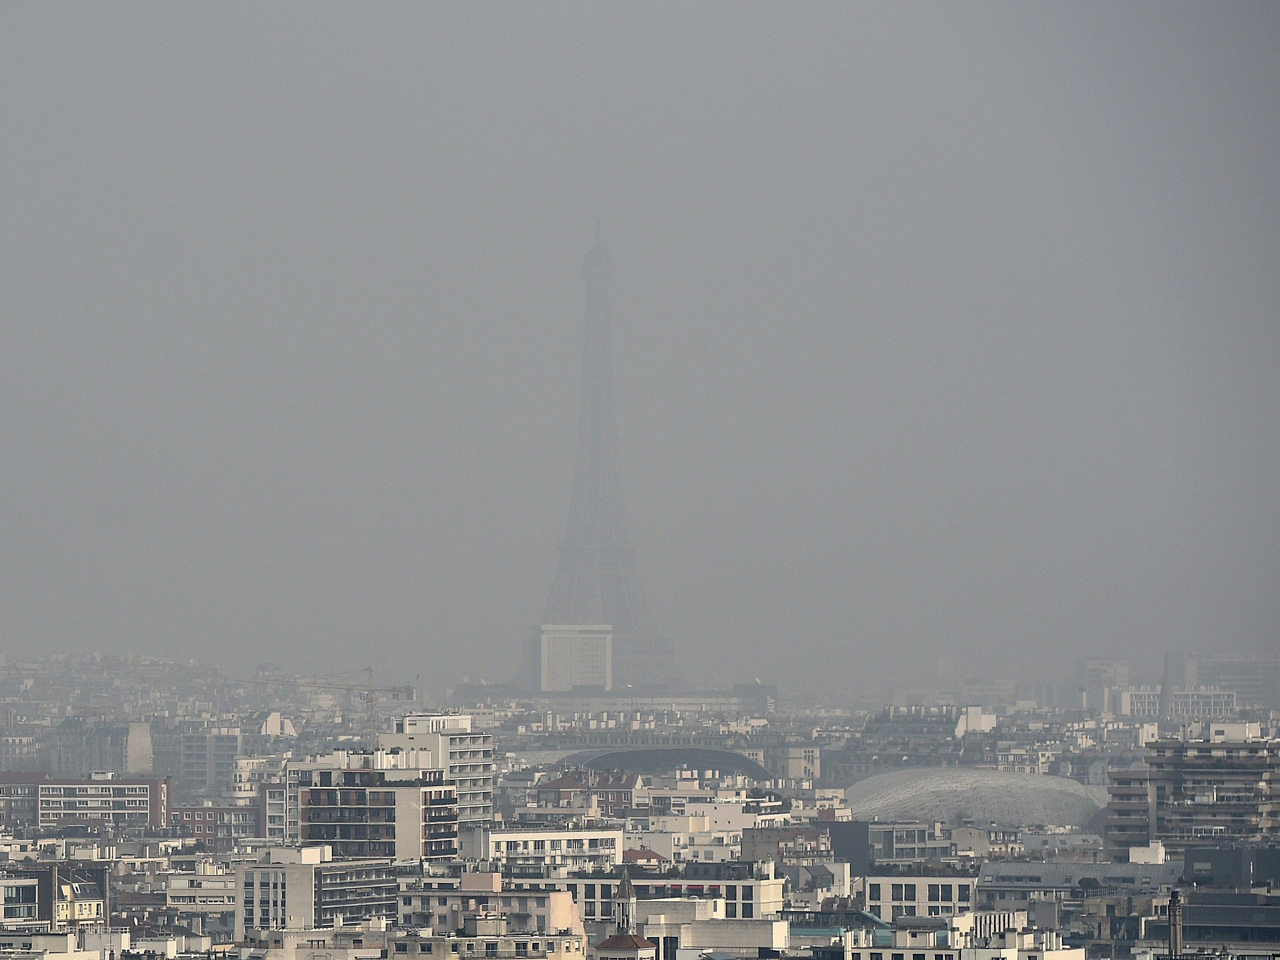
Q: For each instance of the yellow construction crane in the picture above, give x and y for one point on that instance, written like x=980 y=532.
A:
x=367 y=692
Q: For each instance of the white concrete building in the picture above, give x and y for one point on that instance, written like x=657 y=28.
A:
x=297 y=888
x=684 y=929
x=893 y=896
x=572 y=847
x=687 y=838
x=465 y=755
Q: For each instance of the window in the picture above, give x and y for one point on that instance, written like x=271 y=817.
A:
x=934 y=894
x=874 y=894
x=731 y=910
x=908 y=891
x=748 y=911
x=896 y=890
x=402 y=947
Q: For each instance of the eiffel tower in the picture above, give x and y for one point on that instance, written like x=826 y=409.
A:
x=596 y=580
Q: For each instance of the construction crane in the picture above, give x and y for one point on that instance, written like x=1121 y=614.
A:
x=367 y=692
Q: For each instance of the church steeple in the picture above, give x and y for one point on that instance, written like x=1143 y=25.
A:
x=624 y=905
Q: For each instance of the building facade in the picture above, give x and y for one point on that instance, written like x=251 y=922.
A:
x=465 y=755
x=303 y=888
x=375 y=813
x=1195 y=792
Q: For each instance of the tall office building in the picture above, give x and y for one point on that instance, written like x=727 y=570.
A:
x=576 y=655
x=596 y=581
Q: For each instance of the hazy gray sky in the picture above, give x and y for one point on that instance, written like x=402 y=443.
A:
x=946 y=335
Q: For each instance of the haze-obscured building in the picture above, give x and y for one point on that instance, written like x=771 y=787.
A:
x=576 y=655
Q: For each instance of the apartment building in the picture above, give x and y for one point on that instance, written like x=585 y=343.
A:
x=102 y=800
x=748 y=890
x=1019 y=884
x=300 y=773
x=539 y=848
x=1180 y=703
x=292 y=888
x=445 y=903
x=1211 y=790
x=218 y=827
x=205 y=900
x=465 y=755
x=613 y=794
x=680 y=838
x=20 y=902
x=487 y=937
x=892 y=896
x=404 y=814
x=207 y=760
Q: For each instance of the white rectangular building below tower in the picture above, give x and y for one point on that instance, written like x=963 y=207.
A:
x=576 y=655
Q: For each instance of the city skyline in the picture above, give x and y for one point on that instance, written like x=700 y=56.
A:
x=944 y=338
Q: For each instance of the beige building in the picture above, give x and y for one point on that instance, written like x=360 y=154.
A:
x=298 y=888
x=445 y=903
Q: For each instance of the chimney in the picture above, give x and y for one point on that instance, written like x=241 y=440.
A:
x=1175 y=923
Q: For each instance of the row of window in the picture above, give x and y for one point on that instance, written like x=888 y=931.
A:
x=523 y=948
x=937 y=892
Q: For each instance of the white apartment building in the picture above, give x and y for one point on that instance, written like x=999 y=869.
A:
x=465 y=755
x=445 y=903
x=893 y=896
x=299 y=888
x=687 y=838
x=958 y=942
x=1182 y=703
x=206 y=900
x=248 y=774
x=684 y=927
x=572 y=847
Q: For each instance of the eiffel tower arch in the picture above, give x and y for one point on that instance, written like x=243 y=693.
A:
x=596 y=580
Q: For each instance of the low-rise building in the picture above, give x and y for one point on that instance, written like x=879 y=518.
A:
x=292 y=888
x=218 y=827
x=101 y=801
x=575 y=847
x=893 y=896
x=444 y=903
x=614 y=794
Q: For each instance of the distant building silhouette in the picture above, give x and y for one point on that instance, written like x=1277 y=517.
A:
x=596 y=581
